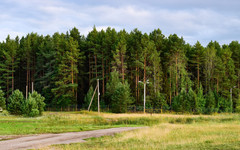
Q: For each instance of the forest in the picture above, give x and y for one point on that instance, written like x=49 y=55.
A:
x=64 y=68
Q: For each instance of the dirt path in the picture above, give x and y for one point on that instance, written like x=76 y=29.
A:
x=38 y=141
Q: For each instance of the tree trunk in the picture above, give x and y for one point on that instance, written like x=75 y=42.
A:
x=106 y=72
x=27 y=75
x=7 y=83
x=122 y=63
x=176 y=75
x=136 y=84
x=89 y=68
x=170 y=94
x=12 y=75
x=103 y=76
x=154 y=78
x=198 y=73
x=217 y=84
x=96 y=66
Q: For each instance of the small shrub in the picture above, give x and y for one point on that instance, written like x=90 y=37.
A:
x=34 y=105
x=39 y=101
x=2 y=99
x=16 y=101
x=34 y=113
x=30 y=104
x=31 y=107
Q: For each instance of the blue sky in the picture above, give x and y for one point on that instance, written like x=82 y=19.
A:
x=202 y=20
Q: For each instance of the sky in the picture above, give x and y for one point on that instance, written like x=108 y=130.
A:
x=194 y=20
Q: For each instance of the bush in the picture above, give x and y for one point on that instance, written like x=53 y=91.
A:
x=39 y=101
x=34 y=113
x=2 y=99
x=16 y=103
x=31 y=107
x=34 y=105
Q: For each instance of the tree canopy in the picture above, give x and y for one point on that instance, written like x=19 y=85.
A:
x=63 y=67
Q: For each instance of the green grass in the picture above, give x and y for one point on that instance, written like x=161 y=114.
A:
x=56 y=123
x=221 y=131
x=166 y=131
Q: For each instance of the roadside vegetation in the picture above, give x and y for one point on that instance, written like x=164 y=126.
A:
x=166 y=131
x=178 y=135
x=58 y=122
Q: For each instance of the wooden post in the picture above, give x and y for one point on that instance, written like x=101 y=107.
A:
x=26 y=92
x=32 y=87
x=92 y=98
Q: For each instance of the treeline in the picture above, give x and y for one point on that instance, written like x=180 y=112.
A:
x=64 y=68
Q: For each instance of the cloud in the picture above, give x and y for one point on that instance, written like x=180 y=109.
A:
x=194 y=20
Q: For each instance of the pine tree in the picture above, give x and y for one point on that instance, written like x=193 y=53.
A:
x=209 y=65
x=66 y=70
x=134 y=51
x=118 y=93
x=196 y=61
x=235 y=49
x=9 y=64
x=119 y=55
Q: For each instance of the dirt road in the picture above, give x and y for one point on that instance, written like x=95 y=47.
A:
x=38 y=141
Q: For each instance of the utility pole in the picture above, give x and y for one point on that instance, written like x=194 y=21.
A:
x=144 y=96
x=98 y=96
x=144 y=99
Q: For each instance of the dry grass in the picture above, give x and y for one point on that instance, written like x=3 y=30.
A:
x=166 y=131
x=220 y=131
x=169 y=136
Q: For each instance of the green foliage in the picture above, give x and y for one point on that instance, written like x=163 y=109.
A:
x=180 y=103
x=2 y=99
x=210 y=102
x=16 y=103
x=201 y=100
x=118 y=93
x=30 y=106
x=238 y=105
x=224 y=105
x=64 y=66
x=186 y=102
x=39 y=101
x=158 y=100
x=87 y=100
x=192 y=99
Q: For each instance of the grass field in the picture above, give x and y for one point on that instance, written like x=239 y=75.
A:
x=165 y=131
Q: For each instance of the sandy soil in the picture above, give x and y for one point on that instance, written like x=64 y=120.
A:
x=38 y=141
